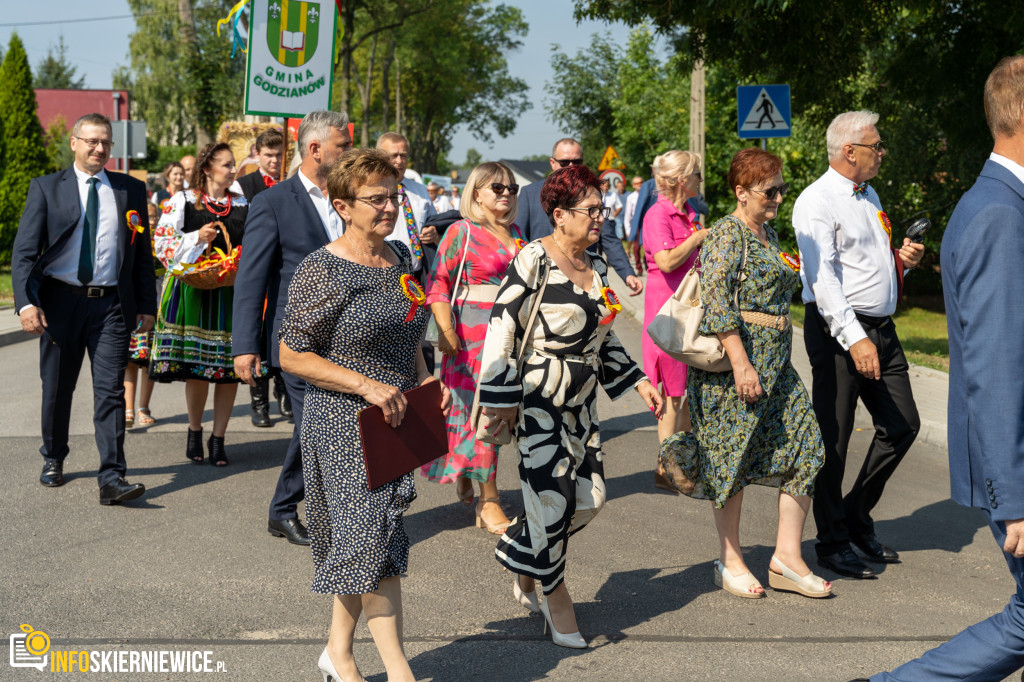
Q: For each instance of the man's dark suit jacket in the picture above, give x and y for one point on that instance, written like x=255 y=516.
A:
x=252 y=184
x=534 y=224
x=982 y=251
x=52 y=210
x=281 y=229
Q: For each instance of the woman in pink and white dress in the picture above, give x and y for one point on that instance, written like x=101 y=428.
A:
x=471 y=261
x=671 y=240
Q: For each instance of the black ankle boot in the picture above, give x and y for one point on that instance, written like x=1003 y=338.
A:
x=260 y=403
x=194 y=448
x=217 y=456
x=284 y=403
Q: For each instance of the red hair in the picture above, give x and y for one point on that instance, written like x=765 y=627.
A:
x=751 y=166
x=566 y=188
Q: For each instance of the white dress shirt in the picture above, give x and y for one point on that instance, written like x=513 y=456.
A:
x=333 y=224
x=65 y=266
x=612 y=200
x=627 y=217
x=846 y=256
x=422 y=208
x=442 y=203
x=1009 y=165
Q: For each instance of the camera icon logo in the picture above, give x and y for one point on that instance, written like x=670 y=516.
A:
x=29 y=648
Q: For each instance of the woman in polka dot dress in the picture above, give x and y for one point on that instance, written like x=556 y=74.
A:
x=352 y=332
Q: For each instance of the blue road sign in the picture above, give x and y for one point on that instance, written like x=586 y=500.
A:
x=763 y=111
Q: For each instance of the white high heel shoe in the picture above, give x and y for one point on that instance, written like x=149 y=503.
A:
x=527 y=599
x=327 y=668
x=572 y=640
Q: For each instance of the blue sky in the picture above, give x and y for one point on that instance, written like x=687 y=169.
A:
x=98 y=47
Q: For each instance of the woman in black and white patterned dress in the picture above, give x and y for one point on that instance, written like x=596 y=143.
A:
x=551 y=401
x=347 y=332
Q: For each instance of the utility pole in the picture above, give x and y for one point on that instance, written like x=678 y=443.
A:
x=697 y=99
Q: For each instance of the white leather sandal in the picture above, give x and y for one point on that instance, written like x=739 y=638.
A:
x=740 y=585
x=810 y=585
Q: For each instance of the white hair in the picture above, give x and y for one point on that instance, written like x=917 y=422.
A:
x=316 y=125
x=846 y=128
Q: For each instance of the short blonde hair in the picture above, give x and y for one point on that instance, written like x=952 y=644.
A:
x=671 y=167
x=482 y=176
x=1004 y=97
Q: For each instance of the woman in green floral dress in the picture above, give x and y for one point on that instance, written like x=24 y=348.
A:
x=753 y=424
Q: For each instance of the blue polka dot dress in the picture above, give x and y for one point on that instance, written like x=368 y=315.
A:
x=354 y=316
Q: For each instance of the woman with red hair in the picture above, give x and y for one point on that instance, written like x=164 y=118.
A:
x=753 y=424
x=548 y=394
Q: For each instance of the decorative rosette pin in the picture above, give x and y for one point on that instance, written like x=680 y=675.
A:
x=886 y=225
x=134 y=224
x=792 y=261
x=520 y=243
x=414 y=292
x=611 y=301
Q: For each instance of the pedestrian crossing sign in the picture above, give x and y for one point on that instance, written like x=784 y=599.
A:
x=763 y=111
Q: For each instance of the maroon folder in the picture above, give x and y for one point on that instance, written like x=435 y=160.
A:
x=420 y=439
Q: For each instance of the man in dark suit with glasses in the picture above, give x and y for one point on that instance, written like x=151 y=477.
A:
x=83 y=278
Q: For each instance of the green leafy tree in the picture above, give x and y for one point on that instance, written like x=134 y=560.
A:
x=58 y=152
x=23 y=153
x=473 y=158
x=175 y=87
x=921 y=64
x=54 y=71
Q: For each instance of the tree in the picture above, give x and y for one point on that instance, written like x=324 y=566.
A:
x=24 y=156
x=178 y=88
x=473 y=158
x=58 y=152
x=55 y=72
x=441 y=84
x=921 y=64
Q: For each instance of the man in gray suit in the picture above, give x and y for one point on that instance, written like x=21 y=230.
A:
x=982 y=251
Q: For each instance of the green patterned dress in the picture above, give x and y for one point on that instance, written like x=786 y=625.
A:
x=776 y=440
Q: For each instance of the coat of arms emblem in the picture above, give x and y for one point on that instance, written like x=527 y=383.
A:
x=293 y=28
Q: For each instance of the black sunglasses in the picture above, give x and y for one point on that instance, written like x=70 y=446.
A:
x=877 y=147
x=568 y=162
x=499 y=188
x=780 y=190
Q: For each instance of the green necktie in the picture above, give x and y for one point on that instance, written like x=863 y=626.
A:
x=87 y=258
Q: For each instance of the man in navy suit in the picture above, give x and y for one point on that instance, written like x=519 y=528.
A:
x=269 y=147
x=285 y=224
x=83 y=280
x=534 y=223
x=982 y=252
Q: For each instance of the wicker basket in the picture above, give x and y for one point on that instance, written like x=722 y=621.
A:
x=206 y=276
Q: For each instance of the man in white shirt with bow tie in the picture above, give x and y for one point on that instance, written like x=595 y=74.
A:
x=852 y=278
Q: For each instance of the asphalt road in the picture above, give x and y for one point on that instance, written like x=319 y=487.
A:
x=191 y=567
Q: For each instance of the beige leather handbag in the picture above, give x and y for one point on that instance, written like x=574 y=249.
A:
x=676 y=327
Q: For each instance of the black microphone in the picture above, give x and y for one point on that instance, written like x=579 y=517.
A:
x=915 y=232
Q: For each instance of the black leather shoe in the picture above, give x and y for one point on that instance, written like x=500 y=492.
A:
x=260 y=406
x=261 y=416
x=290 y=529
x=845 y=562
x=53 y=473
x=284 y=403
x=120 y=491
x=874 y=550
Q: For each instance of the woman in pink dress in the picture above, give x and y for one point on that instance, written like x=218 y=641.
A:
x=671 y=242
x=481 y=246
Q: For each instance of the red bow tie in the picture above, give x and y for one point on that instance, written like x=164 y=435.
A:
x=269 y=181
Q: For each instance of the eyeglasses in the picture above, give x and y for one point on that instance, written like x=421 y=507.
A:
x=780 y=190
x=568 y=162
x=93 y=142
x=499 y=188
x=594 y=212
x=379 y=201
x=877 y=147
x=700 y=178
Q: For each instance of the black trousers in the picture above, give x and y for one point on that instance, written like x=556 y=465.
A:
x=290 y=487
x=80 y=325
x=837 y=385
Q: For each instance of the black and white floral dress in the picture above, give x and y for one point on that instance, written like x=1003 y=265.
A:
x=354 y=316
x=571 y=350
